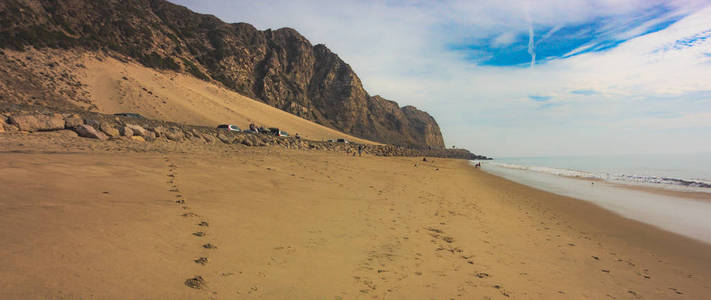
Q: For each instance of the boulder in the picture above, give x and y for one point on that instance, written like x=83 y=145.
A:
x=138 y=130
x=138 y=138
x=174 y=134
x=226 y=137
x=238 y=139
x=109 y=130
x=89 y=132
x=208 y=138
x=73 y=121
x=126 y=131
x=38 y=122
x=159 y=130
x=150 y=136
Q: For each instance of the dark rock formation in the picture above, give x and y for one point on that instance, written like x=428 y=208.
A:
x=279 y=67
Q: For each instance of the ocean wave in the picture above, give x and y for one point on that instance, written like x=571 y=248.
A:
x=621 y=178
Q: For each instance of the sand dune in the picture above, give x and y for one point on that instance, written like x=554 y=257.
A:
x=117 y=86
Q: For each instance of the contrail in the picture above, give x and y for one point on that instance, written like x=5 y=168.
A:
x=531 y=45
x=531 y=41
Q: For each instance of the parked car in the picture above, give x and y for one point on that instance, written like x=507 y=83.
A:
x=278 y=132
x=249 y=131
x=130 y=115
x=229 y=127
x=345 y=141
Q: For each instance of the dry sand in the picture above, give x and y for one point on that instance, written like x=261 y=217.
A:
x=84 y=221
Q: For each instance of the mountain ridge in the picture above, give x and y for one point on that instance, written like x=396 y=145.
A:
x=278 y=67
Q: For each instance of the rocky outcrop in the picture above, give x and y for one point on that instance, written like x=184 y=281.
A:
x=279 y=67
x=38 y=122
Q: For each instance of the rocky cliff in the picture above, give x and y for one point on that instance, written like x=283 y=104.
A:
x=279 y=67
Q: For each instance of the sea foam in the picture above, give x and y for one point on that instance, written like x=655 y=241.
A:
x=616 y=178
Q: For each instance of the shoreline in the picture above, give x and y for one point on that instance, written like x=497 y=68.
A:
x=289 y=220
x=655 y=206
x=683 y=190
x=572 y=204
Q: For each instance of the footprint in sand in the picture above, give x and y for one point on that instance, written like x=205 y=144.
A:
x=209 y=246
x=203 y=223
x=196 y=282
x=199 y=234
x=201 y=260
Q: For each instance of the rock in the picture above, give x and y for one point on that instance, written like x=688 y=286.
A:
x=208 y=138
x=126 y=131
x=89 y=132
x=247 y=142
x=109 y=130
x=138 y=130
x=73 y=121
x=238 y=139
x=174 y=134
x=38 y=122
x=138 y=138
x=150 y=136
x=159 y=130
x=225 y=137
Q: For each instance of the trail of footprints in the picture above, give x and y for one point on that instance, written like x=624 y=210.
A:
x=196 y=282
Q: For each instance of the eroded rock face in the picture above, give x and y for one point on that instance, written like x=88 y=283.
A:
x=38 y=122
x=279 y=67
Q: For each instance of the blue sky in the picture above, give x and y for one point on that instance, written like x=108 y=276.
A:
x=609 y=76
x=550 y=42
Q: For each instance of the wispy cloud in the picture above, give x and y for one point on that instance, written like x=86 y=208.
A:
x=539 y=98
x=584 y=92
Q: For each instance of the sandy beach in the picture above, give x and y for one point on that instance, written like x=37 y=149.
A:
x=84 y=219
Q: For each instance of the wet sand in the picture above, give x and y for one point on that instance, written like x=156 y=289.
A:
x=231 y=223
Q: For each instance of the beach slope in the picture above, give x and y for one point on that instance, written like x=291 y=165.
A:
x=271 y=223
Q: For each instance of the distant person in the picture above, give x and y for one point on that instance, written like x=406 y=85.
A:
x=297 y=136
x=360 y=150
x=252 y=127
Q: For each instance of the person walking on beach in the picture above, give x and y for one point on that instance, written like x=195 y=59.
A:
x=360 y=150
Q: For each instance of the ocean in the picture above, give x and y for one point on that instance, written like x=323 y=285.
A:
x=671 y=192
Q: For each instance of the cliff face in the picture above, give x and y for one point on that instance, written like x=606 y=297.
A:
x=279 y=67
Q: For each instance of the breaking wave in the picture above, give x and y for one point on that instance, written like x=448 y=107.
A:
x=619 y=178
